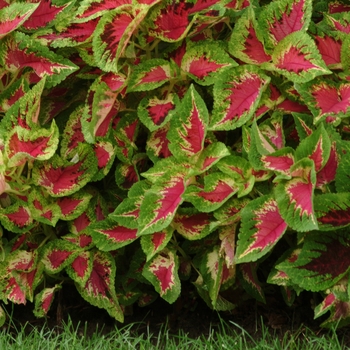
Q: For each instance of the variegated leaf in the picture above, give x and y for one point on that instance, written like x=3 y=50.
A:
x=297 y=58
x=44 y=299
x=109 y=236
x=188 y=128
x=81 y=267
x=99 y=289
x=61 y=177
x=162 y=272
x=246 y=42
x=261 y=228
x=295 y=196
x=282 y=18
x=205 y=60
x=193 y=225
x=217 y=189
x=158 y=145
x=23 y=144
x=164 y=197
x=155 y=113
x=17 y=217
x=236 y=97
x=156 y=242
x=250 y=281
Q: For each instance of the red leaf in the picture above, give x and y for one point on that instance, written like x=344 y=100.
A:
x=103 y=156
x=57 y=257
x=21 y=218
x=119 y=234
x=103 y=5
x=81 y=222
x=14 y=292
x=172 y=21
x=68 y=205
x=329 y=49
x=80 y=265
x=156 y=74
x=159 y=110
x=291 y=21
x=254 y=48
x=202 y=67
x=328 y=172
x=43 y=14
x=221 y=191
x=295 y=61
x=329 y=99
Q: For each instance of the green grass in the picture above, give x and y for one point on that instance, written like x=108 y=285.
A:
x=228 y=336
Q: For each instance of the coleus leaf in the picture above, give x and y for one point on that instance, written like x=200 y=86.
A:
x=217 y=189
x=156 y=242
x=14 y=15
x=236 y=97
x=127 y=212
x=279 y=161
x=155 y=113
x=188 y=129
x=108 y=235
x=280 y=19
x=17 y=217
x=43 y=209
x=326 y=97
x=342 y=172
x=230 y=213
x=58 y=254
x=192 y=224
x=246 y=42
x=81 y=267
x=169 y=21
x=316 y=147
x=15 y=54
x=211 y=155
x=330 y=50
x=164 y=197
x=13 y=93
x=340 y=311
x=162 y=272
x=239 y=169
x=23 y=144
x=104 y=152
x=261 y=228
x=103 y=107
x=318 y=267
x=75 y=34
x=112 y=35
x=158 y=144
x=295 y=196
x=44 y=299
x=96 y=8
x=328 y=173
x=332 y=210
x=227 y=235
x=297 y=58
x=125 y=135
x=99 y=289
x=205 y=60
x=150 y=74
x=74 y=205
x=61 y=177
x=43 y=14
x=250 y=281
x=211 y=268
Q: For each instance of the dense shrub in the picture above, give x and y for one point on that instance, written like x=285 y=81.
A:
x=146 y=142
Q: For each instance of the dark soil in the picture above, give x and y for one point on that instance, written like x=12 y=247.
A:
x=192 y=316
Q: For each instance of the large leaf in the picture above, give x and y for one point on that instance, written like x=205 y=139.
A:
x=236 y=97
x=262 y=227
x=323 y=261
x=297 y=58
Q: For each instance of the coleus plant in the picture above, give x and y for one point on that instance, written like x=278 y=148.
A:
x=144 y=143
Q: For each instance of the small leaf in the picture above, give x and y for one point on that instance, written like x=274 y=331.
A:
x=156 y=242
x=162 y=272
x=81 y=268
x=44 y=299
